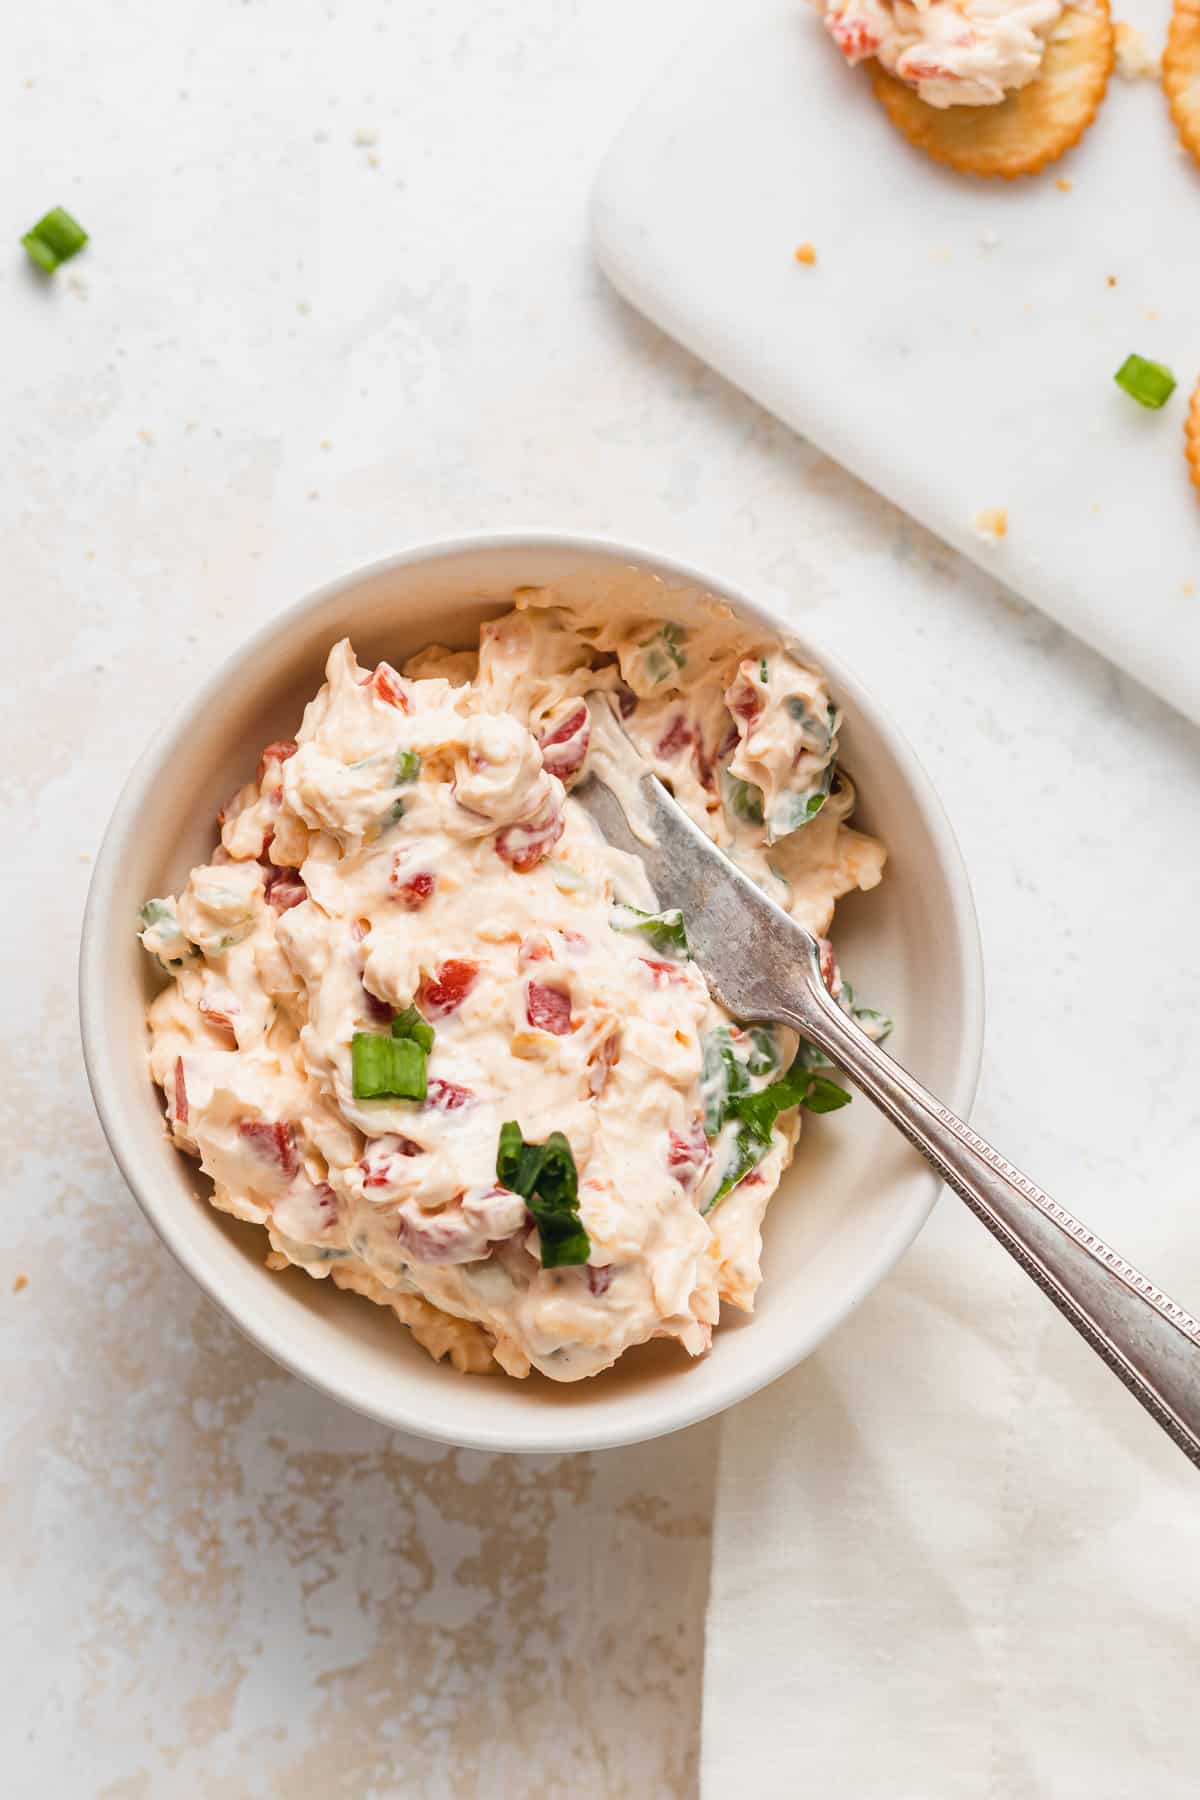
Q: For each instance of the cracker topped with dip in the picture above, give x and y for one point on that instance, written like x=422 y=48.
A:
x=988 y=87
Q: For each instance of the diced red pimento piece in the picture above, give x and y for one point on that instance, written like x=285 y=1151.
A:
x=677 y=737
x=274 y=1141
x=744 y=697
x=598 y=1278
x=565 y=746
x=412 y=891
x=221 y=1017
x=447 y=987
x=277 y=752
x=688 y=1156
x=523 y=846
x=853 y=37
x=284 y=889
x=548 y=1009
x=388 y=686
x=926 y=71
x=181 y=1099
x=676 y=972
x=378 y=1165
x=327 y=1201
x=535 y=946
x=446 y=1096
x=829 y=968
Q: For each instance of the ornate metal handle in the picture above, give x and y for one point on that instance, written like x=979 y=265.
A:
x=1146 y=1339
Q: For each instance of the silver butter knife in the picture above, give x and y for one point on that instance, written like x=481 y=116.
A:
x=764 y=967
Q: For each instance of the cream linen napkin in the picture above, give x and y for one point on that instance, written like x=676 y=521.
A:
x=952 y=1558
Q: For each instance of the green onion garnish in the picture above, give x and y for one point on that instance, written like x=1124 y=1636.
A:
x=408 y=767
x=55 y=239
x=386 y=1067
x=410 y=1024
x=1149 y=383
x=545 y=1177
x=664 y=931
x=756 y=1114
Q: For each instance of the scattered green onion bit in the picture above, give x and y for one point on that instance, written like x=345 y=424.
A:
x=410 y=1024
x=664 y=931
x=545 y=1177
x=386 y=1067
x=408 y=767
x=1149 y=383
x=55 y=239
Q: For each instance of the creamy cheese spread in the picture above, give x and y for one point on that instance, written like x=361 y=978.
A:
x=411 y=949
x=953 y=52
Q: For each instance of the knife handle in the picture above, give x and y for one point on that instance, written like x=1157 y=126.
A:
x=1146 y=1339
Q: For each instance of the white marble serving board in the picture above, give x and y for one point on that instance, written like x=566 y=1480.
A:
x=954 y=345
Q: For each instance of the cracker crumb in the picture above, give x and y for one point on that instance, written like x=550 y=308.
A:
x=1111 y=280
x=1188 y=590
x=373 y=160
x=365 y=136
x=327 y=443
x=1150 y=312
x=806 y=254
x=22 y=1281
x=991 y=523
x=1064 y=184
x=146 y=437
x=1134 y=61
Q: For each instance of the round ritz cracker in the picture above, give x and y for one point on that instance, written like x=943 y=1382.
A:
x=1181 y=72
x=1191 y=437
x=1036 y=123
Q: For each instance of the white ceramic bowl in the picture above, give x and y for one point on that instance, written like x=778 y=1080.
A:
x=856 y=1195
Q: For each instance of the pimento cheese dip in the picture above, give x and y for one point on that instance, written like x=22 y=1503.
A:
x=953 y=52
x=434 y=1035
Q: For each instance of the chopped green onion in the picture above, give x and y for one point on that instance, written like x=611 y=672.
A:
x=764 y=1054
x=408 y=767
x=545 y=1177
x=745 y=1151
x=664 y=931
x=791 y=811
x=763 y=671
x=55 y=239
x=756 y=1114
x=411 y=1024
x=1149 y=383
x=722 y=1077
x=741 y=798
x=672 y=637
x=386 y=1067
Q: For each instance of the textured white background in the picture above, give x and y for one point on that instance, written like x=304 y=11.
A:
x=284 y=353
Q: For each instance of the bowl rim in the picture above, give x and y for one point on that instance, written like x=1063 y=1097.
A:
x=101 y=1068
